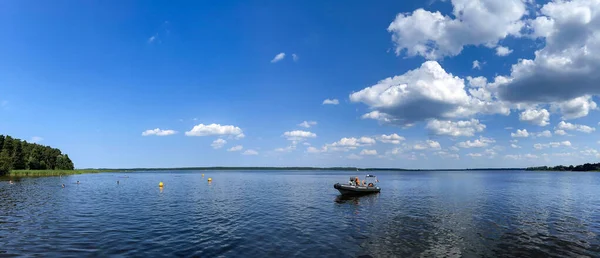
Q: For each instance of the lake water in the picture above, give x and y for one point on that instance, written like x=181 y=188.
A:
x=288 y=213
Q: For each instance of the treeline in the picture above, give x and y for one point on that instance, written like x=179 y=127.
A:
x=16 y=154
x=584 y=167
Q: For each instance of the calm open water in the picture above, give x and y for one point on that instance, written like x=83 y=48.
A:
x=287 y=213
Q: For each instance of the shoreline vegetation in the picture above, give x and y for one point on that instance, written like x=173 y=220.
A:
x=578 y=168
x=59 y=172
x=16 y=154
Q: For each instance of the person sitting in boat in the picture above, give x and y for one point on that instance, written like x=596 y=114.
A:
x=357 y=181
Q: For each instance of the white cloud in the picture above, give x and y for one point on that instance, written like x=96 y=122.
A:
x=574 y=127
x=567 y=66
x=545 y=133
x=427 y=92
x=344 y=144
x=366 y=152
x=477 y=143
x=519 y=157
x=392 y=138
x=560 y=132
x=539 y=146
x=298 y=135
x=514 y=141
x=152 y=39
x=575 y=108
x=520 y=133
x=306 y=143
x=537 y=117
x=508 y=128
x=433 y=36
x=460 y=128
x=429 y=144
x=158 y=132
x=476 y=65
x=331 y=102
x=354 y=156
x=218 y=143
x=236 y=148
x=278 y=58
x=514 y=146
x=286 y=149
x=503 y=51
x=250 y=152
x=474 y=155
x=295 y=57
x=307 y=124
x=36 y=139
x=445 y=155
x=312 y=150
x=215 y=129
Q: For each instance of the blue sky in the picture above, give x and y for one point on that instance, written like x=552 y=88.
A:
x=444 y=84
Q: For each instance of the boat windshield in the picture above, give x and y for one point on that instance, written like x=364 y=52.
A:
x=371 y=179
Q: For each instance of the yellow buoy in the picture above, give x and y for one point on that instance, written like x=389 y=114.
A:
x=209 y=179
x=202 y=175
x=160 y=184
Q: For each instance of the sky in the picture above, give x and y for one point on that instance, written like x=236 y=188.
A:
x=404 y=84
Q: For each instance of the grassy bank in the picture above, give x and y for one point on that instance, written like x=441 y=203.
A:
x=57 y=172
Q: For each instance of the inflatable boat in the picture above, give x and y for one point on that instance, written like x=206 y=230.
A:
x=356 y=187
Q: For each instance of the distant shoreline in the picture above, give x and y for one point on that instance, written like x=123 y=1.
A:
x=26 y=173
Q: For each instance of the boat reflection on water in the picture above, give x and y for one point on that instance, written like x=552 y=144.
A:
x=357 y=199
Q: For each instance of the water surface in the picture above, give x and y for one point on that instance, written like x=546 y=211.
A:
x=300 y=214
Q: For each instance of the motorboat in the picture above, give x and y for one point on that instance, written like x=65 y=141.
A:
x=356 y=187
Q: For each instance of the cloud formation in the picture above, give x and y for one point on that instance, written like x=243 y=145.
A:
x=278 y=57
x=477 y=23
x=216 y=129
x=158 y=132
x=331 y=102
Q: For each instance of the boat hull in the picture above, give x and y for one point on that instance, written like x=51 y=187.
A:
x=356 y=190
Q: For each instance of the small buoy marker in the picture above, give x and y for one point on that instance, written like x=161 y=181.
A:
x=209 y=179
x=161 y=184
x=202 y=175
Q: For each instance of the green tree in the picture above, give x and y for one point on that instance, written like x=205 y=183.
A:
x=18 y=160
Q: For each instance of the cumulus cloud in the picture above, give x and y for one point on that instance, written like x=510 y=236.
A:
x=537 y=117
x=158 y=132
x=392 y=138
x=520 y=133
x=427 y=92
x=447 y=155
x=278 y=57
x=575 y=108
x=545 y=133
x=476 y=65
x=236 y=148
x=286 y=149
x=218 y=143
x=574 y=127
x=250 y=152
x=344 y=144
x=215 y=129
x=514 y=146
x=477 y=143
x=298 y=135
x=433 y=35
x=540 y=146
x=307 y=124
x=459 y=128
x=366 y=152
x=429 y=144
x=295 y=57
x=331 y=102
x=560 y=132
x=520 y=157
x=503 y=51
x=566 y=67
